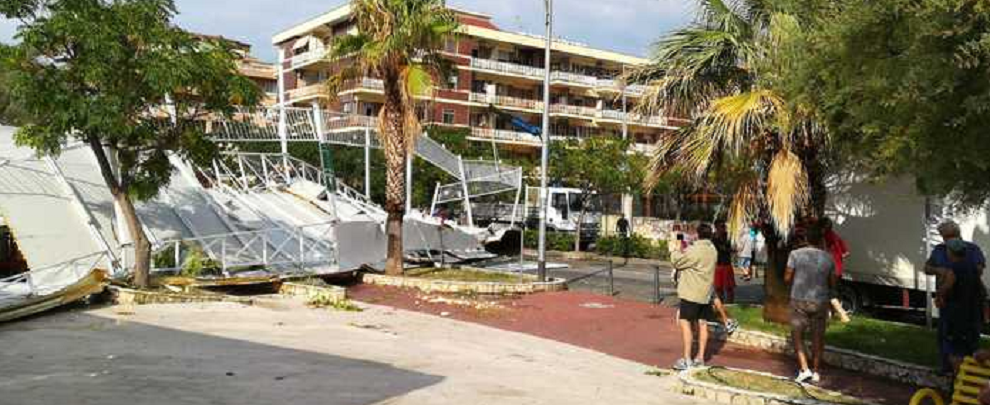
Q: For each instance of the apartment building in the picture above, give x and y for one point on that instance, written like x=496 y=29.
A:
x=496 y=68
x=264 y=74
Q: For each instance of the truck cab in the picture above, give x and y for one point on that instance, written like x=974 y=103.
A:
x=564 y=210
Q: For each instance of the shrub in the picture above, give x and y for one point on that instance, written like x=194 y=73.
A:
x=197 y=263
x=639 y=247
x=558 y=241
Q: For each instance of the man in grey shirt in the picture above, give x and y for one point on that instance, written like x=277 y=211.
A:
x=811 y=274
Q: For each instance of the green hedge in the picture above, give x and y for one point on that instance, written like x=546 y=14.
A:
x=639 y=247
x=558 y=241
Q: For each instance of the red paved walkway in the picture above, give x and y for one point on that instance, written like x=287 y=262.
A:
x=631 y=330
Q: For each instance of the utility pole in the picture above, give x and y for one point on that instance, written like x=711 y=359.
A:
x=545 y=156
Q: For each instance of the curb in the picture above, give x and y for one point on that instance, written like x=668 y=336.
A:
x=127 y=296
x=309 y=292
x=445 y=286
x=687 y=384
x=846 y=359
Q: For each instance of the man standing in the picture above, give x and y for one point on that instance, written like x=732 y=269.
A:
x=695 y=272
x=622 y=228
x=958 y=266
x=811 y=274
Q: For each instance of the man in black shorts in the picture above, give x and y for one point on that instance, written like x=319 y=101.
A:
x=695 y=267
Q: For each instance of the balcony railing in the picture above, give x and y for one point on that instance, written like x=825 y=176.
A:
x=349 y=121
x=506 y=135
x=573 y=110
x=575 y=78
x=307 y=58
x=507 y=101
x=366 y=83
x=306 y=92
x=507 y=67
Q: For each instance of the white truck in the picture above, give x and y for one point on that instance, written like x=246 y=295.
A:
x=890 y=229
x=563 y=211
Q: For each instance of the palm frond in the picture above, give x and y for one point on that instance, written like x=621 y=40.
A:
x=734 y=121
x=787 y=190
x=745 y=206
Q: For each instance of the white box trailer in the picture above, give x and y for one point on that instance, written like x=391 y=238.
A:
x=890 y=229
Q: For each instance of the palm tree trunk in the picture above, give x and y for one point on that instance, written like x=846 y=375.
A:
x=394 y=144
x=776 y=304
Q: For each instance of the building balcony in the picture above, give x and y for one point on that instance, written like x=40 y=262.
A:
x=349 y=122
x=306 y=92
x=507 y=101
x=632 y=118
x=306 y=58
x=505 y=136
x=573 y=110
x=365 y=83
x=507 y=67
x=574 y=78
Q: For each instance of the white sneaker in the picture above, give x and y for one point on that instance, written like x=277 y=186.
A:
x=804 y=376
x=816 y=378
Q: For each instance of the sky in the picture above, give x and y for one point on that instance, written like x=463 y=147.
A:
x=627 y=26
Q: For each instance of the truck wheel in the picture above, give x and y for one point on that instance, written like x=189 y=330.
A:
x=850 y=299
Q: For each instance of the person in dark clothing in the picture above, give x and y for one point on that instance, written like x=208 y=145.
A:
x=960 y=297
x=622 y=229
x=725 y=277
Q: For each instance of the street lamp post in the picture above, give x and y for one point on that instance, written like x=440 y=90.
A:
x=545 y=154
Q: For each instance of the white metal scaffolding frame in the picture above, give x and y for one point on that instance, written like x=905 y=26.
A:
x=290 y=124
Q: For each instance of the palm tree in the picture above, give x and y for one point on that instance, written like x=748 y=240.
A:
x=398 y=41
x=725 y=73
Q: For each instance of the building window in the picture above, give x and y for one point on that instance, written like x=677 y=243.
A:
x=349 y=108
x=453 y=80
x=450 y=45
x=448 y=117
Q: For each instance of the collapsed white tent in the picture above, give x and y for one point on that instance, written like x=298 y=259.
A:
x=282 y=222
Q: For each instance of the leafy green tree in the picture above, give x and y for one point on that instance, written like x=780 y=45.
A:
x=904 y=87
x=121 y=77
x=723 y=71
x=11 y=111
x=598 y=165
x=399 y=42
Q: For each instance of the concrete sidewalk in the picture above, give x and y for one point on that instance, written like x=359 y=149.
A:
x=231 y=354
x=631 y=330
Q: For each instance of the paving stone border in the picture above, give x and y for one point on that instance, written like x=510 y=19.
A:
x=324 y=293
x=447 y=286
x=847 y=359
x=687 y=384
x=127 y=296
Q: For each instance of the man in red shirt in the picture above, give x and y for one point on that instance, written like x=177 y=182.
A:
x=840 y=251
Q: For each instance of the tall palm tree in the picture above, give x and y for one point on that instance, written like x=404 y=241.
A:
x=398 y=41
x=725 y=72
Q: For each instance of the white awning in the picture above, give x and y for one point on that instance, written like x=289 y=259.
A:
x=302 y=42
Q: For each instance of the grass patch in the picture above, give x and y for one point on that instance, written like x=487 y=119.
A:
x=891 y=340
x=769 y=385
x=328 y=302
x=467 y=275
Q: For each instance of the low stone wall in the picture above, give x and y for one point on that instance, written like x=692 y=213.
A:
x=310 y=292
x=445 y=286
x=847 y=359
x=126 y=296
x=687 y=384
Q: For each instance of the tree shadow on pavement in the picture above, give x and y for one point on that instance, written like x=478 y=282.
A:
x=85 y=359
